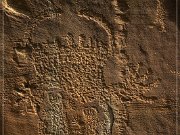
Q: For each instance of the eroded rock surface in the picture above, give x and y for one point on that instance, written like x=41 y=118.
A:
x=85 y=67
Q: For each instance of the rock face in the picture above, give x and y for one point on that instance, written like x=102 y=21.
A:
x=86 y=67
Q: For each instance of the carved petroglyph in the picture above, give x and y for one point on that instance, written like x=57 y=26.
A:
x=101 y=24
x=54 y=119
x=24 y=103
x=160 y=16
x=67 y=60
x=74 y=63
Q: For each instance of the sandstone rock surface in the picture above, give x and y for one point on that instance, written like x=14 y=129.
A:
x=88 y=67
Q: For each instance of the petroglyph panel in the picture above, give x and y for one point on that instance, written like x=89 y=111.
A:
x=73 y=61
x=87 y=67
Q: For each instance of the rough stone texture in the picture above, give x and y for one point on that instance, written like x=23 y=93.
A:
x=89 y=67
